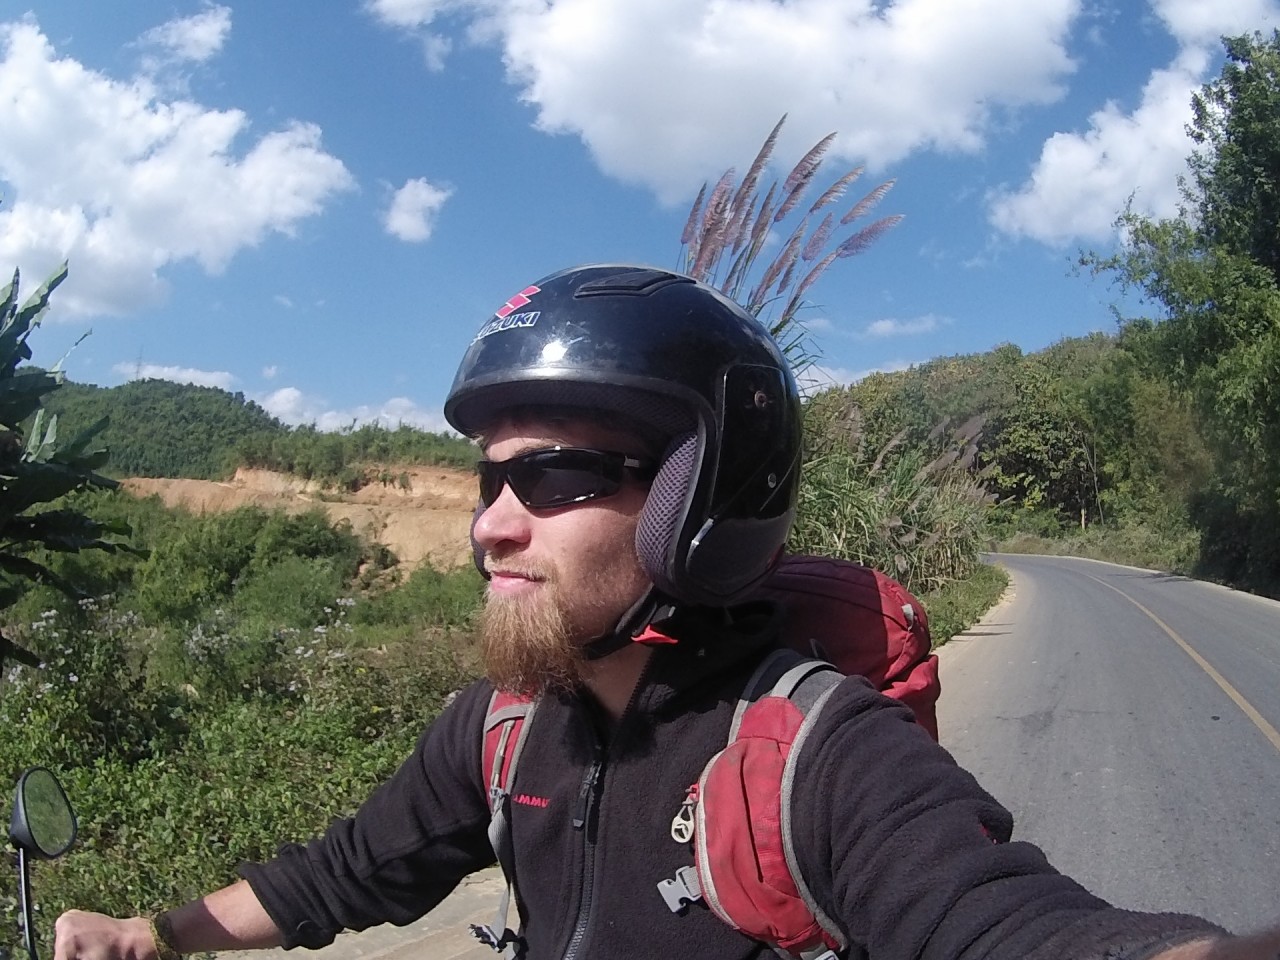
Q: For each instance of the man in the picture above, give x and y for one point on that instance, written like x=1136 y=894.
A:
x=641 y=443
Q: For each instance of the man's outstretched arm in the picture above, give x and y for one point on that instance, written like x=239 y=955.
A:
x=227 y=919
x=1262 y=946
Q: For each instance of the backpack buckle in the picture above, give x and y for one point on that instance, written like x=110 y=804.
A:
x=681 y=890
x=506 y=945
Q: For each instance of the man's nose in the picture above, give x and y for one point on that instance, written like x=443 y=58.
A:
x=504 y=520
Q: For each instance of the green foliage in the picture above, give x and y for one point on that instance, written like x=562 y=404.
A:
x=916 y=514
x=1235 y=171
x=1169 y=543
x=1213 y=272
x=428 y=598
x=148 y=766
x=36 y=466
x=163 y=429
x=357 y=456
x=956 y=606
x=233 y=663
x=723 y=240
x=214 y=554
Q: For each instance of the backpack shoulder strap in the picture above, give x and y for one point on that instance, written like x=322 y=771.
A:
x=811 y=695
x=807 y=683
x=783 y=673
x=750 y=778
x=506 y=725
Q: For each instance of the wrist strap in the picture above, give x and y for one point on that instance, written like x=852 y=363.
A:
x=162 y=937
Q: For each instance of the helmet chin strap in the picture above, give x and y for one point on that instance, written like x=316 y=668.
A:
x=652 y=607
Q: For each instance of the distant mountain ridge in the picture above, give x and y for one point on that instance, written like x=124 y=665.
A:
x=158 y=428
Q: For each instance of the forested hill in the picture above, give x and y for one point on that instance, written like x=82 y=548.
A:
x=157 y=428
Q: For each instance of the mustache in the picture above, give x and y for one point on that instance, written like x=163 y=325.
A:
x=527 y=569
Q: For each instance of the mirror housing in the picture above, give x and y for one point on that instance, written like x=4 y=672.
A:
x=43 y=823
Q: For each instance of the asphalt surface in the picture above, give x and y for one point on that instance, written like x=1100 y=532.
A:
x=1115 y=748
x=1099 y=723
x=443 y=934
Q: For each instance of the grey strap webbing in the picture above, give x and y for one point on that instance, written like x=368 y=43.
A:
x=781 y=674
x=811 y=695
x=498 y=934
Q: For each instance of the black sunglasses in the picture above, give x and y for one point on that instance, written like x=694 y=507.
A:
x=557 y=476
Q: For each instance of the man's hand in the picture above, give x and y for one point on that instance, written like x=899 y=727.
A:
x=79 y=935
x=1263 y=946
x=227 y=919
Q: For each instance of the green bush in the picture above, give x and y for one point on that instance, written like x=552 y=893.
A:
x=211 y=556
x=428 y=598
x=174 y=787
x=1171 y=547
x=297 y=591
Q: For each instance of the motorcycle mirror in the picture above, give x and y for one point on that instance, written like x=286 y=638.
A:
x=43 y=823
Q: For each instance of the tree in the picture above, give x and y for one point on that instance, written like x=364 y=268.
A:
x=36 y=467
x=1235 y=171
x=1214 y=271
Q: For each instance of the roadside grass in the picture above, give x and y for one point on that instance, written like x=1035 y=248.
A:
x=1135 y=545
x=957 y=606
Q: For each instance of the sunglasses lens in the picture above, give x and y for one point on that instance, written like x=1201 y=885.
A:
x=492 y=477
x=558 y=477
x=552 y=478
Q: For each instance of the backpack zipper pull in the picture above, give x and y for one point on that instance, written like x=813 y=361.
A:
x=584 y=792
x=682 y=822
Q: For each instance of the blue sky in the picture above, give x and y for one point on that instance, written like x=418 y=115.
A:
x=319 y=203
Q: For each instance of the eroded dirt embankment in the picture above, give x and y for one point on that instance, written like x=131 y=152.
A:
x=422 y=518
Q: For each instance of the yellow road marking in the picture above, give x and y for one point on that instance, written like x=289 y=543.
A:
x=1259 y=721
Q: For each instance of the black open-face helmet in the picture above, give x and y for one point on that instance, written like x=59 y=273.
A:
x=687 y=361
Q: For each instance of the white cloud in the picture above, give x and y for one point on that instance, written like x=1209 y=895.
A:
x=1201 y=23
x=123 y=183
x=283 y=301
x=414 y=207
x=1082 y=180
x=294 y=407
x=893 y=77
x=409 y=13
x=890 y=327
x=152 y=371
x=269 y=373
x=194 y=38
x=435 y=49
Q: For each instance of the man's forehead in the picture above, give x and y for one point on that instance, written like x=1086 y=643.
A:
x=564 y=428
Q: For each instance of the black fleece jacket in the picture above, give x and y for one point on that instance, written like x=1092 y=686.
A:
x=895 y=839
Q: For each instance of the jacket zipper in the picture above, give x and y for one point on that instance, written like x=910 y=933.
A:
x=590 y=781
x=587 y=879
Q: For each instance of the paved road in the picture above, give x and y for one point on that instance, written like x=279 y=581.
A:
x=1115 y=749
x=1129 y=720
x=441 y=935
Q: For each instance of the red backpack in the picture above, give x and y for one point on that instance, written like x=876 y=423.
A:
x=841 y=619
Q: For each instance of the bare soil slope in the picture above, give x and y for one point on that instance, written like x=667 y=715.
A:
x=426 y=522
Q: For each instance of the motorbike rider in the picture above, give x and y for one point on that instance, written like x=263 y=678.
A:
x=641 y=442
